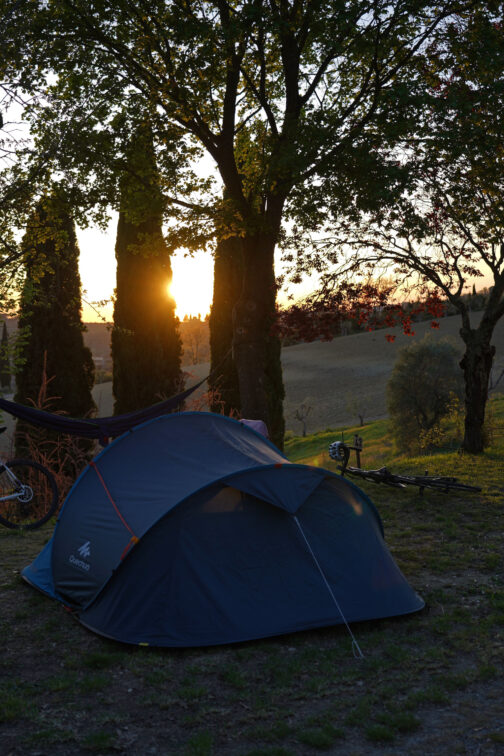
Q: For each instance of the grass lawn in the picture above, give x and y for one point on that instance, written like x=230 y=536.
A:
x=430 y=683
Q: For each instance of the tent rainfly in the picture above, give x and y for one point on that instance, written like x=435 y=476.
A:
x=193 y=530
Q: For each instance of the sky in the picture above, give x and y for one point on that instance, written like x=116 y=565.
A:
x=192 y=285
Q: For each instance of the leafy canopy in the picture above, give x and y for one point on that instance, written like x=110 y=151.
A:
x=283 y=96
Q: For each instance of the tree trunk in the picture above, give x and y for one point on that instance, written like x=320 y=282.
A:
x=477 y=365
x=225 y=391
x=5 y=373
x=256 y=347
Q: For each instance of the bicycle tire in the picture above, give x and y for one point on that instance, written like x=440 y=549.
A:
x=39 y=501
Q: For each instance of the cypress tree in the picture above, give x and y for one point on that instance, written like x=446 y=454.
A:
x=50 y=326
x=146 y=345
x=5 y=373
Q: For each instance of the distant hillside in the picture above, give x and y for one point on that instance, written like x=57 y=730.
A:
x=337 y=379
x=97 y=338
x=194 y=334
x=341 y=378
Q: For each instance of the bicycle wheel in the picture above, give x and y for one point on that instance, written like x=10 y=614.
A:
x=28 y=494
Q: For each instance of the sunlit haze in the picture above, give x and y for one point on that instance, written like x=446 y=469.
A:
x=192 y=284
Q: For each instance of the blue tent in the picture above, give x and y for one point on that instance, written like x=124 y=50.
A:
x=192 y=529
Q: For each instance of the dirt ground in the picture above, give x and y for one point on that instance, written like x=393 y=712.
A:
x=419 y=691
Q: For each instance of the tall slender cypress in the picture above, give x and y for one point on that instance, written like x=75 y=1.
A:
x=146 y=345
x=50 y=327
x=5 y=372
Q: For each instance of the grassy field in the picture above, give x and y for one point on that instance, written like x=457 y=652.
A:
x=430 y=683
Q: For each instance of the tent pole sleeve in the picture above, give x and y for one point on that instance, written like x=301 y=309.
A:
x=134 y=538
x=355 y=646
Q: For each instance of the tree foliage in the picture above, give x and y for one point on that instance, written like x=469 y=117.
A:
x=424 y=380
x=446 y=227
x=289 y=100
x=50 y=328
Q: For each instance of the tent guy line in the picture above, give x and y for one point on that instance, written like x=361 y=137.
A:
x=355 y=646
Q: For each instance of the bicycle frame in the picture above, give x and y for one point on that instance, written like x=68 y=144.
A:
x=24 y=493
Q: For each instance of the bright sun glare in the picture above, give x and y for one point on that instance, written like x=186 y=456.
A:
x=191 y=287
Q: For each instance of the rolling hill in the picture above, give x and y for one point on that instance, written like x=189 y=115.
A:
x=329 y=376
x=336 y=379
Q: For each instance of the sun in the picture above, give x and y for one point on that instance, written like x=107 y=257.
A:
x=192 y=284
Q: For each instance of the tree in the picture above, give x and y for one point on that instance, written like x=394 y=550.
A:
x=16 y=185
x=285 y=97
x=447 y=227
x=423 y=383
x=194 y=333
x=227 y=285
x=50 y=327
x=359 y=405
x=301 y=414
x=146 y=345
x=5 y=372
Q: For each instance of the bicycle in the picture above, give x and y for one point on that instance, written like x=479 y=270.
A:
x=340 y=452
x=28 y=493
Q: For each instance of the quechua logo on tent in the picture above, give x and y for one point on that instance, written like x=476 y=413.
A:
x=84 y=551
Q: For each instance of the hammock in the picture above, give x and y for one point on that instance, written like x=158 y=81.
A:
x=101 y=428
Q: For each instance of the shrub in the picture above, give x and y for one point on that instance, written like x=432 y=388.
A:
x=425 y=382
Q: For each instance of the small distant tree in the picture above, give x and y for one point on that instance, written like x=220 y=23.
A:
x=5 y=373
x=50 y=327
x=301 y=414
x=357 y=405
x=425 y=380
x=195 y=340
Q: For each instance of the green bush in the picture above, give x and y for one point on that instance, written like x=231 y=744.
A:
x=425 y=383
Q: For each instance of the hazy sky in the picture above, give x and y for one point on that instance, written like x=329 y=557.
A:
x=192 y=285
